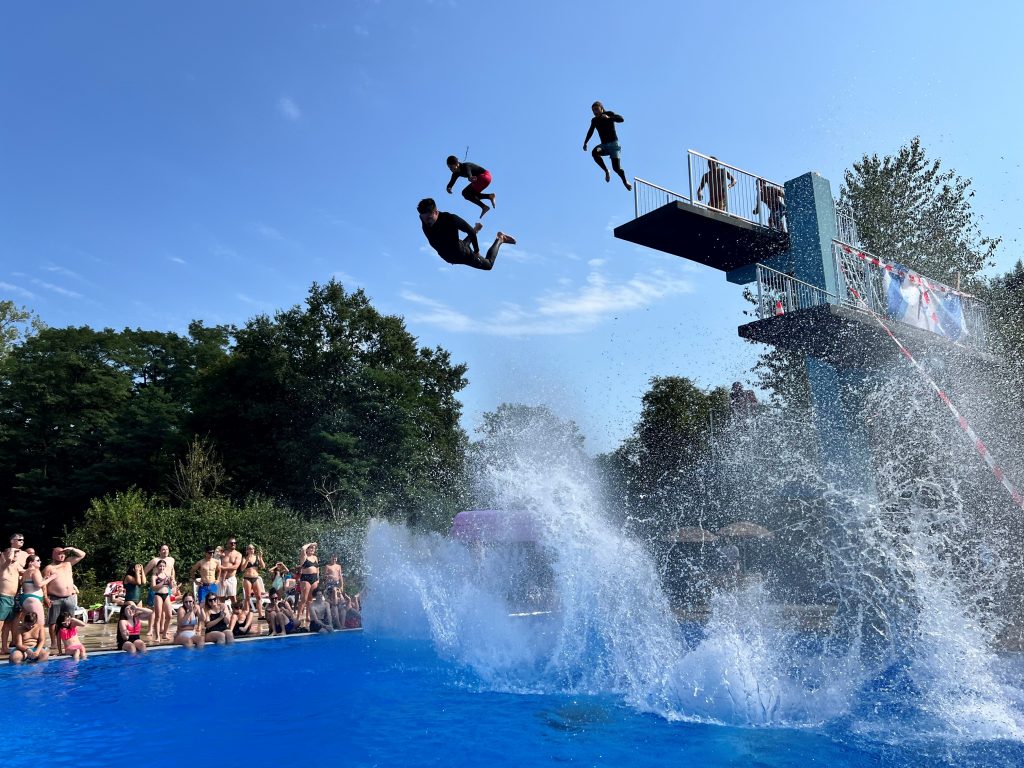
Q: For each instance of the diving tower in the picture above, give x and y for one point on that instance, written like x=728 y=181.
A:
x=818 y=293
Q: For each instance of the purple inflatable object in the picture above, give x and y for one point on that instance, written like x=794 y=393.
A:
x=487 y=526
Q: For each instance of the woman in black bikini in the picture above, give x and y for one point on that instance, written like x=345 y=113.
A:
x=163 y=587
x=243 y=621
x=215 y=622
x=252 y=564
x=309 y=579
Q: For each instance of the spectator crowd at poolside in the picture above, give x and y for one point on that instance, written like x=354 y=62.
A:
x=223 y=597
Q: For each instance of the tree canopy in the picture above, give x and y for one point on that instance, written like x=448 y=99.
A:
x=910 y=211
x=331 y=408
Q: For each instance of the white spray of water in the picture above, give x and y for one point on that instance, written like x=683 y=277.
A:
x=613 y=629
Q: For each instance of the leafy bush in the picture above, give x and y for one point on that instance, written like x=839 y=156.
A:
x=128 y=527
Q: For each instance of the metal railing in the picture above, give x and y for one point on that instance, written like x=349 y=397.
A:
x=861 y=281
x=648 y=197
x=779 y=293
x=733 y=191
x=846 y=227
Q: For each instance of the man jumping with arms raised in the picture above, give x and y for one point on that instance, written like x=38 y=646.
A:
x=442 y=231
x=604 y=123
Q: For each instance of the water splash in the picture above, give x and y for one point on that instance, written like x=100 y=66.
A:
x=907 y=652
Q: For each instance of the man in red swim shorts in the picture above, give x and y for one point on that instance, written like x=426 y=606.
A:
x=479 y=180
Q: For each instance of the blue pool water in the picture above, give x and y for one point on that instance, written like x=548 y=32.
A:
x=357 y=699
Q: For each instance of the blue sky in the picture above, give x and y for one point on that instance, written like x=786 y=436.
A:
x=167 y=162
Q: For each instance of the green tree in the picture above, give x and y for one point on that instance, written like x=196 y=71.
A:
x=665 y=468
x=86 y=412
x=16 y=324
x=334 y=404
x=910 y=211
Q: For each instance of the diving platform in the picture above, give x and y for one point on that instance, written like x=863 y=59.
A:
x=847 y=337
x=704 y=235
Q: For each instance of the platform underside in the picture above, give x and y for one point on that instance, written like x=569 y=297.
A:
x=704 y=235
x=850 y=338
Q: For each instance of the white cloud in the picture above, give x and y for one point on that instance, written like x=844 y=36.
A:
x=557 y=312
x=289 y=108
x=268 y=231
x=17 y=290
x=65 y=272
x=224 y=252
x=178 y=260
x=56 y=289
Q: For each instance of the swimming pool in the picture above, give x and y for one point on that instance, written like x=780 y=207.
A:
x=358 y=699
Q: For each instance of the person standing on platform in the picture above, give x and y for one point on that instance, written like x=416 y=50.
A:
x=604 y=123
x=718 y=180
x=479 y=179
x=774 y=198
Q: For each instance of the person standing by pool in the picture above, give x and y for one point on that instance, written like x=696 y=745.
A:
x=163 y=553
x=133 y=582
x=68 y=628
x=604 y=123
x=129 y=628
x=334 y=575
x=252 y=564
x=208 y=570
x=29 y=641
x=479 y=179
x=162 y=586
x=12 y=563
x=62 y=591
x=230 y=562
x=32 y=583
x=188 y=621
x=309 y=578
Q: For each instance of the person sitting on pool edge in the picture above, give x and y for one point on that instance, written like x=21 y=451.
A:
x=187 y=633
x=67 y=628
x=29 y=640
x=242 y=622
x=320 y=613
x=129 y=628
x=213 y=620
x=280 y=617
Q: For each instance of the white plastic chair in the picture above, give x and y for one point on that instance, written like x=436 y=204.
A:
x=112 y=589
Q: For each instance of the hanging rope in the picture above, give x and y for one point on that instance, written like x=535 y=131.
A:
x=979 y=444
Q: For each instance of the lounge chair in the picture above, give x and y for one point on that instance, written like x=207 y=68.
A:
x=111 y=592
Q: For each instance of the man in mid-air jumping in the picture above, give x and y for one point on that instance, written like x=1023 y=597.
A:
x=442 y=230
x=604 y=123
x=479 y=179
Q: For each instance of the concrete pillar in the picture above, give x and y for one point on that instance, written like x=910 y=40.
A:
x=837 y=393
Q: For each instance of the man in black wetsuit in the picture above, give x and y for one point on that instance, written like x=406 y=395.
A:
x=479 y=179
x=604 y=123
x=442 y=231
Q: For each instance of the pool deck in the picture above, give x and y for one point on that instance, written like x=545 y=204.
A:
x=100 y=639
